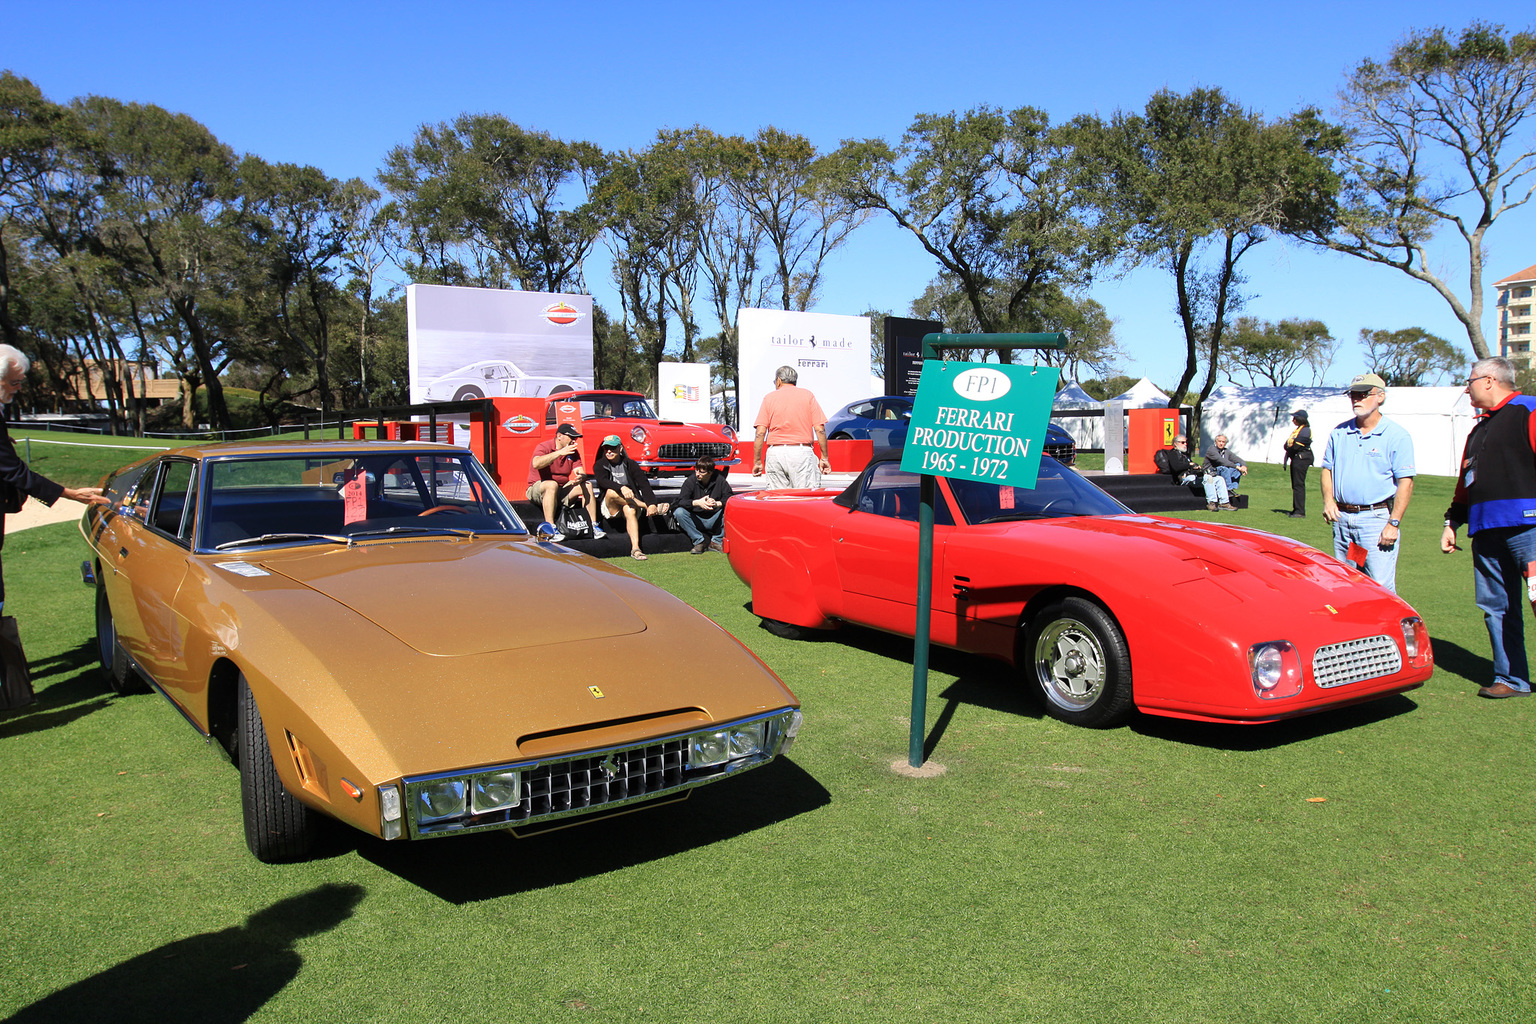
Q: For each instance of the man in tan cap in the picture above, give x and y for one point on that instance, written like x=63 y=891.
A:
x=1367 y=478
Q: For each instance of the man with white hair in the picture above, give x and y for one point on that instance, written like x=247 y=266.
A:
x=17 y=479
x=1496 y=498
x=788 y=422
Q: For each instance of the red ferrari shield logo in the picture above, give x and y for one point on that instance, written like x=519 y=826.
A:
x=561 y=314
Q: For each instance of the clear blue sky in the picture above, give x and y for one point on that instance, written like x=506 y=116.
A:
x=337 y=84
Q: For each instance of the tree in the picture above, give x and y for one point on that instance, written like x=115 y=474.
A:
x=999 y=199
x=1410 y=358
x=1272 y=353
x=1437 y=137
x=1194 y=183
x=484 y=202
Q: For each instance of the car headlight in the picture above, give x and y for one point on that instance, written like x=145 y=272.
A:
x=728 y=433
x=637 y=435
x=495 y=792
x=747 y=741
x=1416 y=642
x=1276 y=669
x=439 y=800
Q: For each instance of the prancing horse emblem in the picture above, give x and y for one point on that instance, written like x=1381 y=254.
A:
x=609 y=767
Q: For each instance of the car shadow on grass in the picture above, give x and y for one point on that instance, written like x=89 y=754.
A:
x=59 y=703
x=210 y=978
x=1221 y=736
x=487 y=865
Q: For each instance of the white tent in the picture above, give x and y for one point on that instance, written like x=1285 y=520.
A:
x=1143 y=395
x=1258 y=420
x=1087 y=431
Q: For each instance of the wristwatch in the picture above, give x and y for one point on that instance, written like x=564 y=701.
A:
x=1394 y=523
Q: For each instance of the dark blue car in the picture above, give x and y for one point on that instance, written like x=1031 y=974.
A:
x=884 y=421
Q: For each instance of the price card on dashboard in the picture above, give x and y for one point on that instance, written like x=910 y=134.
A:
x=980 y=421
x=354 y=493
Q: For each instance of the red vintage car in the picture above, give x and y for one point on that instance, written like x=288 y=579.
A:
x=661 y=447
x=1102 y=610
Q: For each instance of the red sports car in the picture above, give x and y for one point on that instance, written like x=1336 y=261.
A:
x=661 y=447
x=1103 y=610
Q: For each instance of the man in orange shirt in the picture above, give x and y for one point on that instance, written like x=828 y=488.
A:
x=788 y=422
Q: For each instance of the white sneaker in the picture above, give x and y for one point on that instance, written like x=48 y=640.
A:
x=598 y=533
x=547 y=531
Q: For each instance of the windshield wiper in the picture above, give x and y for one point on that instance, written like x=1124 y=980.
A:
x=270 y=537
x=1010 y=517
x=386 y=530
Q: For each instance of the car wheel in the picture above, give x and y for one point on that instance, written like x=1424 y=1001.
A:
x=277 y=827
x=787 y=630
x=114 y=660
x=1078 y=658
x=840 y=436
x=466 y=394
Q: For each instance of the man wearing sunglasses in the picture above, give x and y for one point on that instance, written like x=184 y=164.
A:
x=1496 y=498
x=1367 y=478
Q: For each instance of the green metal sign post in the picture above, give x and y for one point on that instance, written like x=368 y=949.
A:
x=977 y=421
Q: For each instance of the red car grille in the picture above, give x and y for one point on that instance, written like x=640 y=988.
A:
x=694 y=449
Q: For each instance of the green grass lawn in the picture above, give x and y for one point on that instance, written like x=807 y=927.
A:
x=1370 y=864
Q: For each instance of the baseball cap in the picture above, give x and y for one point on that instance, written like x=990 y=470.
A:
x=1367 y=380
x=568 y=430
x=612 y=441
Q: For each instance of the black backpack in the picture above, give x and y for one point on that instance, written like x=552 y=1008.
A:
x=1160 y=457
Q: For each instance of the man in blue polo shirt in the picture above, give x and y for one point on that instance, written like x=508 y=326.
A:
x=1367 y=478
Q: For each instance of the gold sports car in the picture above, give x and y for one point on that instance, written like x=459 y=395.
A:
x=372 y=635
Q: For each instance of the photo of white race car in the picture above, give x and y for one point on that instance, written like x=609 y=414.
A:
x=495 y=378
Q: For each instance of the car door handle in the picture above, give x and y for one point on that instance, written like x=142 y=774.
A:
x=122 y=552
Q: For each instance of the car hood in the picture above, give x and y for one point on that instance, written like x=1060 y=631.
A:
x=392 y=585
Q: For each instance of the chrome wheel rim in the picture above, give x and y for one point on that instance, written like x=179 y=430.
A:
x=1070 y=664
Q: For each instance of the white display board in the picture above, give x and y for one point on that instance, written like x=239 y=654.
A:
x=682 y=392
x=829 y=351
x=468 y=343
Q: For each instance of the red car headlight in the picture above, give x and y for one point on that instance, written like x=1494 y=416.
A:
x=1276 y=669
x=1416 y=642
x=728 y=433
x=637 y=435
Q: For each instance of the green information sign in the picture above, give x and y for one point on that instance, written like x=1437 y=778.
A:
x=980 y=421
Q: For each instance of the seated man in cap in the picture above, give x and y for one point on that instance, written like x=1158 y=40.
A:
x=555 y=476
x=625 y=490
x=700 y=508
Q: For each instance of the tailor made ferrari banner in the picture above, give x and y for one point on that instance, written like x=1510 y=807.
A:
x=467 y=343
x=830 y=352
x=980 y=421
x=682 y=392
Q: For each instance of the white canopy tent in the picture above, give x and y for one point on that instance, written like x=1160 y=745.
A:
x=1087 y=431
x=1142 y=395
x=1258 y=420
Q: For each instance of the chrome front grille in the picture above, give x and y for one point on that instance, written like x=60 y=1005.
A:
x=1355 y=660
x=694 y=449
x=593 y=781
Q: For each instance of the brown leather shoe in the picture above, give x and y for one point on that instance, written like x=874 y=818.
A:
x=1210 y=506
x=1498 y=690
x=1227 y=507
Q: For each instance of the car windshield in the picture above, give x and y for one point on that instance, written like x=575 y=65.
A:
x=628 y=407
x=289 y=499
x=1059 y=492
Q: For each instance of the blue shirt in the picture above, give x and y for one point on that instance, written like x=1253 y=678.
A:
x=1366 y=465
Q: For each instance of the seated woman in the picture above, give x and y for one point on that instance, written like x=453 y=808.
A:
x=625 y=490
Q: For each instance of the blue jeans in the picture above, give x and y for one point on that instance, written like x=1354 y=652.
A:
x=1499 y=560
x=1231 y=476
x=1215 y=487
x=697 y=525
x=1364 y=529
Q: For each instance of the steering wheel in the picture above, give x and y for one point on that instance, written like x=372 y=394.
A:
x=456 y=509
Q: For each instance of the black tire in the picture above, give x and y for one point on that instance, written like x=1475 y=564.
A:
x=1076 y=656
x=467 y=393
x=787 y=631
x=840 y=436
x=115 y=670
x=277 y=827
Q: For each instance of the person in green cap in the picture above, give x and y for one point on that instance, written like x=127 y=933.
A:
x=625 y=491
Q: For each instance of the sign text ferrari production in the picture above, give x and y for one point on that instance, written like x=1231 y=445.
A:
x=980 y=421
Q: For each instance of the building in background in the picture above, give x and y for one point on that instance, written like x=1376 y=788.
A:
x=1515 y=315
